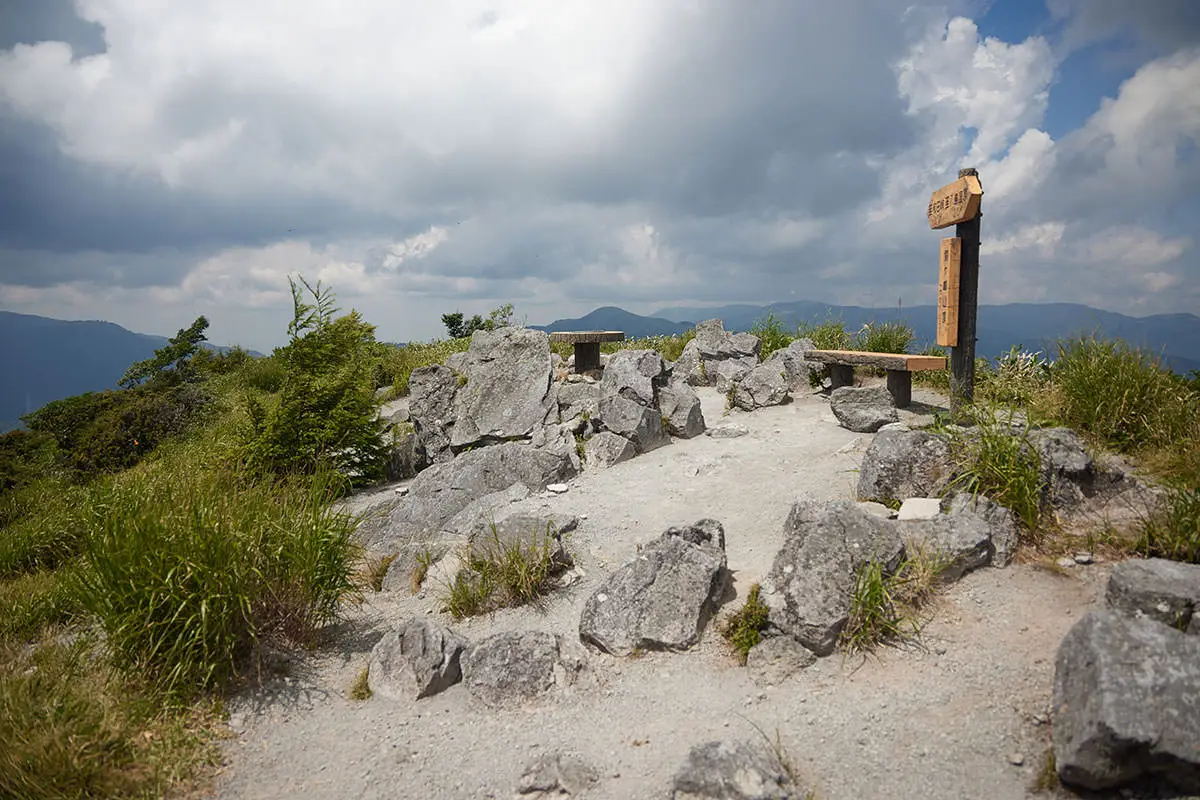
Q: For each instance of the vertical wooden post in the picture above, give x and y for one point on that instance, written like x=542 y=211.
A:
x=962 y=356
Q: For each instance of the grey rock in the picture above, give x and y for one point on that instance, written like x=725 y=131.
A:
x=796 y=369
x=578 y=404
x=531 y=532
x=690 y=366
x=680 y=407
x=765 y=385
x=404 y=458
x=1165 y=591
x=640 y=424
x=970 y=535
x=742 y=345
x=876 y=509
x=636 y=375
x=1067 y=469
x=556 y=773
x=706 y=531
x=1126 y=704
x=774 y=660
x=814 y=572
x=901 y=464
x=728 y=430
x=726 y=373
x=514 y=667
x=432 y=391
x=418 y=659
x=733 y=771
x=662 y=598
x=441 y=491
x=507 y=392
x=456 y=361
x=711 y=339
x=863 y=409
x=607 y=448
x=395 y=413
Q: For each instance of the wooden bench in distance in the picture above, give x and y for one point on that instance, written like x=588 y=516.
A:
x=899 y=366
x=587 y=345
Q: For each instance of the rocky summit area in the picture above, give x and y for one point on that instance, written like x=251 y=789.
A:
x=662 y=492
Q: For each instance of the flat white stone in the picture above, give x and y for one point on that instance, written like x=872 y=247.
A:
x=920 y=508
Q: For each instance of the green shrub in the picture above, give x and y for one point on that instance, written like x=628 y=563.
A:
x=190 y=570
x=25 y=456
x=326 y=414
x=1018 y=379
x=744 y=629
x=1174 y=530
x=669 y=347
x=828 y=335
x=885 y=337
x=772 y=335
x=1120 y=394
x=997 y=461
x=264 y=374
x=43 y=525
x=497 y=574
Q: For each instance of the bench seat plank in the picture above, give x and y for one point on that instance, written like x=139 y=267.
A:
x=587 y=337
x=896 y=361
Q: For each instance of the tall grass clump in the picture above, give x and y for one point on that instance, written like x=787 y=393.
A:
x=397 y=362
x=828 y=335
x=44 y=525
x=884 y=337
x=501 y=572
x=669 y=347
x=1120 y=394
x=772 y=335
x=1173 y=530
x=744 y=629
x=190 y=572
x=1018 y=378
x=997 y=460
x=885 y=608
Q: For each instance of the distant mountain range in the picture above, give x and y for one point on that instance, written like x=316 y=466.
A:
x=1035 y=326
x=43 y=359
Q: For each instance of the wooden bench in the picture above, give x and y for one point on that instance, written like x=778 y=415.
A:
x=587 y=345
x=899 y=366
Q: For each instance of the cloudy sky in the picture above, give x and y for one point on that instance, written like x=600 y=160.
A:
x=159 y=160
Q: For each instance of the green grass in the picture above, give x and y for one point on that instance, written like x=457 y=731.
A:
x=36 y=601
x=993 y=461
x=44 y=524
x=744 y=629
x=398 y=363
x=361 y=688
x=883 y=337
x=886 y=608
x=1173 y=531
x=772 y=335
x=828 y=335
x=500 y=574
x=376 y=570
x=190 y=572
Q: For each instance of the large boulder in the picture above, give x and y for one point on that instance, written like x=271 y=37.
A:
x=443 y=490
x=863 y=409
x=680 y=408
x=636 y=375
x=507 y=393
x=663 y=597
x=733 y=771
x=900 y=464
x=698 y=363
x=792 y=362
x=607 y=448
x=518 y=666
x=1127 y=704
x=765 y=385
x=404 y=455
x=417 y=659
x=1068 y=471
x=812 y=578
x=638 y=423
x=975 y=532
x=432 y=391
x=726 y=374
x=690 y=367
x=1166 y=591
x=578 y=405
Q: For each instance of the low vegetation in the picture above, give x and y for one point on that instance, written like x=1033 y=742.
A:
x=995 y=458
x=886 y=608
x=501 y=572
x=744 y=629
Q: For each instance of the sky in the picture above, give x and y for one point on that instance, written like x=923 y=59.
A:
x=161 y=160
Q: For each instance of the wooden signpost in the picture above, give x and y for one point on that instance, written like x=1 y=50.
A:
x=958 y=204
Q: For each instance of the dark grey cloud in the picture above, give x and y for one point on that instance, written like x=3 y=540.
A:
x=1157 y=26
x=33 y=21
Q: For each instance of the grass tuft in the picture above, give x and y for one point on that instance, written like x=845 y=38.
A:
x=744 y=629
x=1173 y=531
x=361 y=688
x=886 y=608
x=377 y=569
x=884 y=337
x=993 y=460
x=500 y=574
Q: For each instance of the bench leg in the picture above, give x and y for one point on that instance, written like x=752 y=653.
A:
x=899 y=383
x=587 y=356
x=841 y=375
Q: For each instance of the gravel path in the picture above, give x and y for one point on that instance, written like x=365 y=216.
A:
x=963 y=716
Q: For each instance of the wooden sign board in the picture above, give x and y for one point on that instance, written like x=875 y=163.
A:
x=954 y=203
x=949 y=266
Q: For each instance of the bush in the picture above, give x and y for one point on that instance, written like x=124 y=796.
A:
x=44 y=524
x=327 y=412
x=1019 y=378
x=1174 y=530
x=829 y=335
x=25 y=456
x=998 y=462
x=772 y=335
x=190 y=571
x=744 y=629
x=264 y=374
x=498 y=574
x=1122 y=395
x=886 y=337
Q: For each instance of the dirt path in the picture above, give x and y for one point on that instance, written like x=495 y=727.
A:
x=944 y=721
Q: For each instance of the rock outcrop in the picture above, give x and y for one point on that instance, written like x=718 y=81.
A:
x=733 y=771
x=511 y=668
x=418 y=659
x=506 y=392
x=900 y=464
x=863 y=409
